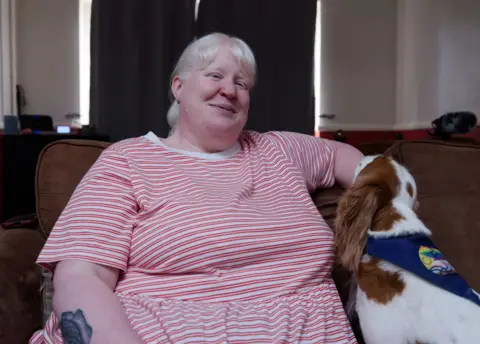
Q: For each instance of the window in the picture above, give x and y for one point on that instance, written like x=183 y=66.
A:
x=85 y=7
x=197 y=3
x=85 y=10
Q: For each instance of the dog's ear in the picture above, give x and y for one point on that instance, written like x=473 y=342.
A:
x=356 y=211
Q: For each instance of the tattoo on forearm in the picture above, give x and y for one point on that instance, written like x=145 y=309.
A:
x=75 y=329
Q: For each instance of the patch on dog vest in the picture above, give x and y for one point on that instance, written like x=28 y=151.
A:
x=419 y=255
x=434 y=261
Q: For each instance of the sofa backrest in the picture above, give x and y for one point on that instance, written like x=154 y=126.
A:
x=61 y=166
x=448 y=181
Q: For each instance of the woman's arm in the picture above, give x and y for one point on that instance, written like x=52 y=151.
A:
x=346 y=160
x=86 y=306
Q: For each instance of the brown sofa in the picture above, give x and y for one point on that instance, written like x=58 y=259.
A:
x=448 y=177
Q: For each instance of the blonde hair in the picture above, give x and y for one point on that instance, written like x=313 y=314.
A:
x=202 y=52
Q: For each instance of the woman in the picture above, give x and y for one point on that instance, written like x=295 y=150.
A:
x=207 y=236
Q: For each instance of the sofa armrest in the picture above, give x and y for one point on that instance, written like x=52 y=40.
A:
x=20 y=281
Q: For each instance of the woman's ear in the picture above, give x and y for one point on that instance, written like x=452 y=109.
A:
x=176 y=87
x=355 y=212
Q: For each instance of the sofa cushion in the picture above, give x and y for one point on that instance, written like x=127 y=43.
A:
x=61 y=166
x=20 y=279
x=448 y=181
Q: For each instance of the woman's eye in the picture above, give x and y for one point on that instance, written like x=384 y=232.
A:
x=242 y=85
x=215 y=76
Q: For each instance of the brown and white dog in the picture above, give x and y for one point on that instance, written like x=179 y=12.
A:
x=406 y=292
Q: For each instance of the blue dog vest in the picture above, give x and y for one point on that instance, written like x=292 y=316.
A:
x=418 y=255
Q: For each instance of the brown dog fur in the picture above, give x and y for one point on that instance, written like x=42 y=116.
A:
x=371 y=193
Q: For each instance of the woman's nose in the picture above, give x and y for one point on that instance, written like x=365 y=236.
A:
x=228 y=89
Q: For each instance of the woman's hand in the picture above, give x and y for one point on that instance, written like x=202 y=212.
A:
x=86 y=306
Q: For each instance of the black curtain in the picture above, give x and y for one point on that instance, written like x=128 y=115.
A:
x=134 y=46
x=282 y=36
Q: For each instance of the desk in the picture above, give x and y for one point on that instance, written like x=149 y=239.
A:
x=18 y=159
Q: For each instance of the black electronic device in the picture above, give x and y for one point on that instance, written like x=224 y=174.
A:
x=36 y=123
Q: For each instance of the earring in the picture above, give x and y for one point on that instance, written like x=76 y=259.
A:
x=178 y=101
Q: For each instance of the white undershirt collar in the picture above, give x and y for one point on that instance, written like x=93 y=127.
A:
x=210 y=156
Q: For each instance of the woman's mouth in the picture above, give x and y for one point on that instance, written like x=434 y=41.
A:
x=224 y=107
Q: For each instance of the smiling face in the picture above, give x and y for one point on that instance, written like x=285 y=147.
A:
x=214 y=100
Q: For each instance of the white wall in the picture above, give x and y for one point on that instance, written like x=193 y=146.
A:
x=359 y=62
x=439 y=59
x=48 y=56
x=459 y=56
x=399 y=63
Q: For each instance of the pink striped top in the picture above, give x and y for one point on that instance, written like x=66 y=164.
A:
x=227 y=247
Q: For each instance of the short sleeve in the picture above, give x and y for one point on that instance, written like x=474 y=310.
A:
x=96 y=225
x=313 y=156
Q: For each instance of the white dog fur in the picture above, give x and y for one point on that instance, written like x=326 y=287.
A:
x=420 y=312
